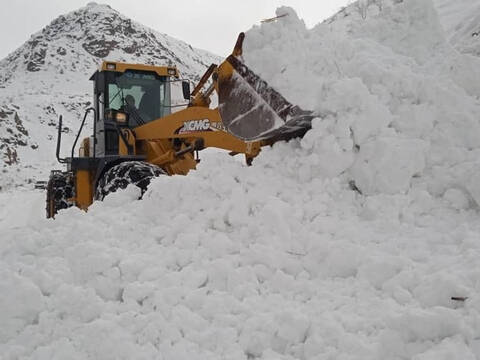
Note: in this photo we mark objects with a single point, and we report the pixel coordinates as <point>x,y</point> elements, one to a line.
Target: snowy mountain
<point>359,241</point>
<point>48,76</point>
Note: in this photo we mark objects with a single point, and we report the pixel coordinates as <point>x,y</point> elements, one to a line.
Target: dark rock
<point>100,48</point>
<point>19,125</point>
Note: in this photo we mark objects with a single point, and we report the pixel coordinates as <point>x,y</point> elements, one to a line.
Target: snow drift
<point>398,104</point>
<point>281,260</point>
<point>238,266</point>
<point>460,21</point>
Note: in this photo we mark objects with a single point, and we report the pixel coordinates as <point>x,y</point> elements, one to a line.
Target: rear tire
<point>59,192</point>
<point>138,173</point>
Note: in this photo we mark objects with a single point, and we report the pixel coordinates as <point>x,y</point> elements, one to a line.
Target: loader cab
<point>128,95</point>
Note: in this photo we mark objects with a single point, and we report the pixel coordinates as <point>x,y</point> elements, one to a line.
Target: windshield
<point>144,95</point>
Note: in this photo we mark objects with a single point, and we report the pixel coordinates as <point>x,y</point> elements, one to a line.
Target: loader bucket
<point>253,110</point>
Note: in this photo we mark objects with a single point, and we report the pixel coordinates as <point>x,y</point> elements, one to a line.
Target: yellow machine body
<point>170,141</point>
<point>165,141</point>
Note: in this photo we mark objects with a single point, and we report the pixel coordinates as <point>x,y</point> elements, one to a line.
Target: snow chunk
<point>387,165</point>
<point>21,303</point>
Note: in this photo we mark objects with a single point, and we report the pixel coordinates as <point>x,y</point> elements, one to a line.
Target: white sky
<point>207,24</point>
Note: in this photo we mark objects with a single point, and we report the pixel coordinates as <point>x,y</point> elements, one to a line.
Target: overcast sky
<point>207,24</point>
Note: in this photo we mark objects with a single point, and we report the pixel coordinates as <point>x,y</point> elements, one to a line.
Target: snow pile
<point>398,105</point>
<point>246,263</point>
<point>280,260</point>
<point>460,20</point>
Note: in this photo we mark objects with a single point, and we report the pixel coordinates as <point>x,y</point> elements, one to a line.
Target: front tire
<point>138,173</point>
<point>59,192</point>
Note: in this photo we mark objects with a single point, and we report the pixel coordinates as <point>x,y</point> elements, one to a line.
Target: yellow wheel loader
<point>137,137</point>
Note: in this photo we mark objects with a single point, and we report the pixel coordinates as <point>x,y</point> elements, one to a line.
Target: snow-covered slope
<point>461,20</point>
<point>398,105</point>
<point>261,262</point>
<point>48,76</point>
<point>283,259</point>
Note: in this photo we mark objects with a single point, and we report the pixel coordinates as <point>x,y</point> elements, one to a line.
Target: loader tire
<point>59,192</point>
<point>138,173</point>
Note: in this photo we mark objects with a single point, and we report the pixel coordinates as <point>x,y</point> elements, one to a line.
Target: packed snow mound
<point>398,106</point>
<point>249,262</point>
<point>282,259</point>
<point>461,22</point>
<point>49,75</point>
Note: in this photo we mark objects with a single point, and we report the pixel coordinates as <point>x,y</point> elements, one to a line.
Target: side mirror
<point>186,90</point>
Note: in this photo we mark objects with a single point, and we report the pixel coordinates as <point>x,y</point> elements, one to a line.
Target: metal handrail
<point>59,139</point>
<point>81,128</point>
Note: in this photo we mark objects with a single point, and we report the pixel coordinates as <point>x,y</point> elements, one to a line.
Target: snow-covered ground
<point>281,260</point>
<point>263,262</point>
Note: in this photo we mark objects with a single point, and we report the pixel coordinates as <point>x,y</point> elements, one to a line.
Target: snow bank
<point>398,105</point>
<point>265,262</point>
<point>460,20</point>
<point>280,260</point>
